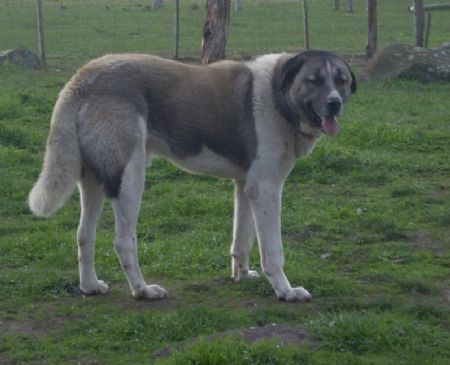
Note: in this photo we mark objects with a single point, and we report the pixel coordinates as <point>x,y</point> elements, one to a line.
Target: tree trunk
<point>372,28</point>
<point>419,23</point>
<point>215,30</point>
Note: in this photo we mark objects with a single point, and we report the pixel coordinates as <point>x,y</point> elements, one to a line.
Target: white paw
<point>248,274</point>
<point>299,294</point>
<point>96,287</point>
<point>151,292</point>
<point>251,274</point>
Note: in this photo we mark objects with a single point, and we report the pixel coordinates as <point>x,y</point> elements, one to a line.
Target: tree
<point>372,28</point>
<point>215,30</point>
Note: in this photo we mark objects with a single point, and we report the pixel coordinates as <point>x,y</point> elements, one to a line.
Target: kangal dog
<point>246,121</point>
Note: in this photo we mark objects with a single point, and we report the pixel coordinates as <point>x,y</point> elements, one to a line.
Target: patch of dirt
<point>283,335</point>
<point>423,241</point>
<point>305,234</point>
<point>447,295</point>
<point>440,191</point>
<point>5,361</point>
<point>39,323</point>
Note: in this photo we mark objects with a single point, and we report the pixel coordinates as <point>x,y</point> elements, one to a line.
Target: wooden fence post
<point>372,28</point>
<point>177,29</point>
<point>305,24</point>
<point>419,14</point>
<point>350,6</point>
<point>336,5</point>
<point>238,5</point>
<point>40,29</point>
<point>427,32</point>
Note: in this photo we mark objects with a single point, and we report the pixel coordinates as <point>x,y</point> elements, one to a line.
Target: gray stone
<point>403,61</point>
<point>20,57</point>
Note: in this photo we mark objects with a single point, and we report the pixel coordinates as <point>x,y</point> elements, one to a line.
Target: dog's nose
<point>334,105</point>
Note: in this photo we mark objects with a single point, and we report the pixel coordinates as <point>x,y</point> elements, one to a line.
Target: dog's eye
<point>317,81</point>
<point>340,81</point>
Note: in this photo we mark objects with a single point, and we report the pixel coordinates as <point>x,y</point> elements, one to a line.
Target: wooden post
<point>432,7</point>
<point>427,33</point>
<point>350,6</point>
<point>40,28</point>
<point>305,24</point>
<point>238,6</point>
<point>336,5</point>
<point>419,27</point>
<point>157,4</point>
<point>215,30</point>
<point>177,29</point>
<point>372,28</point>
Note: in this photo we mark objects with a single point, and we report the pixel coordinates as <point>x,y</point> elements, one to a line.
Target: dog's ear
<point>290,69</point>
<point>353,86</point>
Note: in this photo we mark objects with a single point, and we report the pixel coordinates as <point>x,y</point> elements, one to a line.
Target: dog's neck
<point>304,143</point>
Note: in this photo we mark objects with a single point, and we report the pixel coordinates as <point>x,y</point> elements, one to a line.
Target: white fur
<point>62,163</point>
<point>276,155</point>
<point>126,210</point>
<point>206,162</point>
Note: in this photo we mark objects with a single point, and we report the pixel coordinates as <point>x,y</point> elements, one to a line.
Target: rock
<point>20,57</point>
<point>403,61</point>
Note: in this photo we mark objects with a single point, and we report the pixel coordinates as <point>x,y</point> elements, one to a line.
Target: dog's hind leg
<point>126,209</point>
<point>243,235</point>
<point>91,196</point>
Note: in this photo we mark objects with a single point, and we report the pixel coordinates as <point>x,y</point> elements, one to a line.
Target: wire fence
<point>77,30</point>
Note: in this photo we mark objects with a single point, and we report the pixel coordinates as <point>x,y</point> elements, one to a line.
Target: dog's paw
<point>151,292</point>
<point>250,274</point>
<point>299,294</point>
<point>96,287</point>
<point>246,275</point>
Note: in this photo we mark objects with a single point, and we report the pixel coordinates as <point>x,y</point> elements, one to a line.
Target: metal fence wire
<point>77,30</point>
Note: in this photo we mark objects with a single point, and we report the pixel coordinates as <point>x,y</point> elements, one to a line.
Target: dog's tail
<point>62,163</point>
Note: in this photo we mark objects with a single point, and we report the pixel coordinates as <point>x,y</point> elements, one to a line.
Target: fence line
<point>76,30</point>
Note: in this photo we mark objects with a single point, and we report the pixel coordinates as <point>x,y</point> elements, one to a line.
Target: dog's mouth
<point>328,124</point>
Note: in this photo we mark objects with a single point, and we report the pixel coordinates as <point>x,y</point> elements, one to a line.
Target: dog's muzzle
<point>334,106</point>
<point>328,122</point>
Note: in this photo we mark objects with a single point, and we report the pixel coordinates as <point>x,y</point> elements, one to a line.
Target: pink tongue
<point>330,126</point>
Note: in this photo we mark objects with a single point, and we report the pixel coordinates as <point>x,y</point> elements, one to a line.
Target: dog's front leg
<point>265,202</point>
<point>243,235</point>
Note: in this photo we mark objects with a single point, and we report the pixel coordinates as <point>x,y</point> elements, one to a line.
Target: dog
<point>246,121</point>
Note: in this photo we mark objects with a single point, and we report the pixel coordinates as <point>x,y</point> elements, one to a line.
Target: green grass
<point>77,30</point>
<point>366,222</point>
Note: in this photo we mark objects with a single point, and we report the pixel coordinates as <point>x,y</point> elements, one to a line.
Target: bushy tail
<point>62,163</point>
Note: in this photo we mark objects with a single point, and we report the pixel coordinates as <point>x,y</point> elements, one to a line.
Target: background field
<point>366,218</point>
<point>77,30</point>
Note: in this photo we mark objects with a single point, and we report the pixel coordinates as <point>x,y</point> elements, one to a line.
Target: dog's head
<point>310,90</point>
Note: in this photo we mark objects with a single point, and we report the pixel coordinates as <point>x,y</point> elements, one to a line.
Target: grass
<point>366,227</point>
<point>77,30</point>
